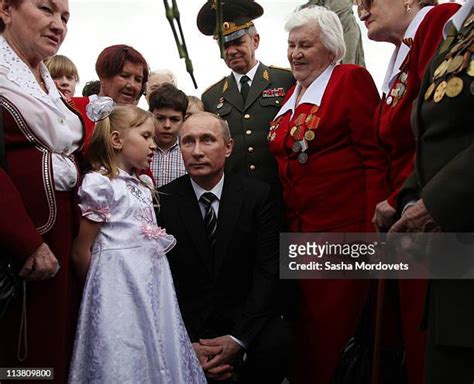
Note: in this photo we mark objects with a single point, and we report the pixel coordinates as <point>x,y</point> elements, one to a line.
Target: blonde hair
<point>194,100</point>
<point>101,152</point>
<point>60,65</point>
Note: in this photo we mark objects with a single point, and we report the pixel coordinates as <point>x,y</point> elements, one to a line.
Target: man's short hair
<point>224,125</point>
<point>168,96</point>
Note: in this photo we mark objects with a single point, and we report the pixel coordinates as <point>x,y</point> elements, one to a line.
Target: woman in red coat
<point>42,137</point>
<point>123,74</point>
<point>415,28</point>
<point>332,175</point>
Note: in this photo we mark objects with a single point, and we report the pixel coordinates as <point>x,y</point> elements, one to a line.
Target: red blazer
<point>28,198</point>
<point>338,186</point>
<point>392,122</point>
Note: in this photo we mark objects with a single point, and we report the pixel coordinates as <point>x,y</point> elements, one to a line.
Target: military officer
<point>251,95</point>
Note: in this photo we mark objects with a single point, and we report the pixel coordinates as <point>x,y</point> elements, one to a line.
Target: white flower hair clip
<point>99,108</point>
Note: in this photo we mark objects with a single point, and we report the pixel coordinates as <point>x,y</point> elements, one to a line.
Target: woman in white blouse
<point>42,135</point>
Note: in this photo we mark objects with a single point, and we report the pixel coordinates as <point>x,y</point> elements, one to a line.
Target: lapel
<point>192,218</point>
<point>260,82</point>
<point>229,210</point>
<point>231,93</point>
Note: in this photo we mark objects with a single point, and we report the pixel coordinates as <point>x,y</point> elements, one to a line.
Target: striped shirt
<point>167,165</point>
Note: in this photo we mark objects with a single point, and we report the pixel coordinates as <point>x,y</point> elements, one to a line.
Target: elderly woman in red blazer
<point>42,137</point>
<point>331,171</point>
<point>415,28</point>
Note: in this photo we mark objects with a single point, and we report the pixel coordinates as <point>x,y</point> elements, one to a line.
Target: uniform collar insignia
<point>265,75</point>
<point>226,86</point>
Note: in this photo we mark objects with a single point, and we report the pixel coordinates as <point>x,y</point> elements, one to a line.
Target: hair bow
<point>99,108</point>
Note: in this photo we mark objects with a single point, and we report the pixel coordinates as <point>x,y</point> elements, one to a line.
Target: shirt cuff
<point>408,205</point>
<point>238,342</point>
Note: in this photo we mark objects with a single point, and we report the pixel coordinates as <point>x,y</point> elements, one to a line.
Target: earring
<point>407,7</point>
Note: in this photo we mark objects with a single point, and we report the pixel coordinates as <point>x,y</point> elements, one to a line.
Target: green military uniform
<point>444,179</point>
<point>249,123</point>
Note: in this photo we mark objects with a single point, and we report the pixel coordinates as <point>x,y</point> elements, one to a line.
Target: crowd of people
<point>145,244</point>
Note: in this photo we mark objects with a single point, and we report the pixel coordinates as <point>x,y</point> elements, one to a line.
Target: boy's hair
<point>60,65</point>
<point>91,88</point>
<point>101,153</point>
<point>168,96</point>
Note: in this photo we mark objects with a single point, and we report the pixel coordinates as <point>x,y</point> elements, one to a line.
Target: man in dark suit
<point>440,194</point>
<point>250,97</point>
<point>225,263</point>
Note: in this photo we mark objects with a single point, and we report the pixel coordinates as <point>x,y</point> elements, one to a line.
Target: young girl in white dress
<point>130,328</point>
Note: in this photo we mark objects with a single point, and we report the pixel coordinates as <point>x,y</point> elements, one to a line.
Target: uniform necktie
<point>244,87</point>
<point>210,218</point>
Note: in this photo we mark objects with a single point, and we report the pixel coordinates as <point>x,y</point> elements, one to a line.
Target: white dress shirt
<point>400,53</point>
<point>250,74</point>
<point>50,120</point>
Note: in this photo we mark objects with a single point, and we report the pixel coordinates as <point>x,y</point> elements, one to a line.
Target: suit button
<point>248,132</point>
<point>250,149</point>
<point>246,116</point>
<point>252,167</point>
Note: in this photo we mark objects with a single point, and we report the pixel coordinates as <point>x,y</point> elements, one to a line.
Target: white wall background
<point>96,24</point>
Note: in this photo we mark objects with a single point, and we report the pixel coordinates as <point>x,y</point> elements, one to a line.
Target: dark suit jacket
<point>232,292</point>
<point>249,123</point>
<point>444,179</point>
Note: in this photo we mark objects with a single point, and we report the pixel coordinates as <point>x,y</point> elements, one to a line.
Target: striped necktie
<point>210,218</point>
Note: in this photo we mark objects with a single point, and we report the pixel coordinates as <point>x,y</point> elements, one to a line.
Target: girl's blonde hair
<point>101,152</point>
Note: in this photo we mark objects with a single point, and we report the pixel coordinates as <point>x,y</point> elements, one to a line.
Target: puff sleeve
<point>96,196</point>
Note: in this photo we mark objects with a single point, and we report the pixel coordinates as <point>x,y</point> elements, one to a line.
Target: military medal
<point>403,77</point>
<point>303,157</point>
<point>220,103</point>
<point>389,100</point>
<point>296,146</point>
<point>454,86</point>
<point>439,92</point>
<point>292,130</point>
<point>309,135</point>
<point>429,91</point>
<point>441,69</point>
<point>470,68</point>
<point>469,21</point>
<point>455,63</point>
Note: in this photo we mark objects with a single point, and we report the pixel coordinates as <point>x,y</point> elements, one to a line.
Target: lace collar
<point>20,74</point>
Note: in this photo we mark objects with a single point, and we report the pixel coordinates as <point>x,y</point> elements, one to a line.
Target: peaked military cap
<point>237,16</point>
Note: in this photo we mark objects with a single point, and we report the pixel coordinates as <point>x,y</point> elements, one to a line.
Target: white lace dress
<point>130,328</point>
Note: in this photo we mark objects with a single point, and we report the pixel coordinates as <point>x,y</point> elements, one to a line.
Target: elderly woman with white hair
<point>331,171</point>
